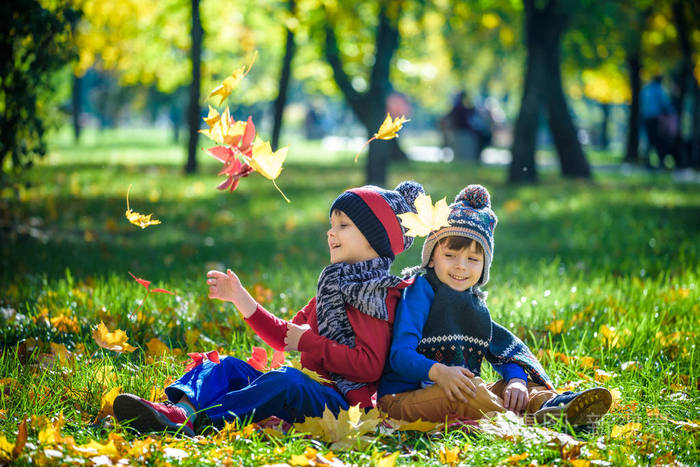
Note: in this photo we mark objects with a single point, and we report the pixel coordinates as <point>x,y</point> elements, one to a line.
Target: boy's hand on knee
<point>515,396</point>
<point>294,333</point>
<point>455,381</point>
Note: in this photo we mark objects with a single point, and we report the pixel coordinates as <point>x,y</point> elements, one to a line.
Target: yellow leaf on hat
<point>428,218</point>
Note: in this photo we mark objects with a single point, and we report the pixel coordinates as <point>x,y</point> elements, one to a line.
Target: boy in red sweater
<point>343,333</point>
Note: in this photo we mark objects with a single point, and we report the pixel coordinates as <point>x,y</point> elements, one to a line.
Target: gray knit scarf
<point>363,285</point>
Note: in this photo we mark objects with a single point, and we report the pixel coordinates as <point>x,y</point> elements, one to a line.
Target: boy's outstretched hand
<point>515,396</point>
<point>454,381</point>
<point>227,287</point>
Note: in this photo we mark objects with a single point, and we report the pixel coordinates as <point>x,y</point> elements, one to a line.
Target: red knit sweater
<point>363,363</point>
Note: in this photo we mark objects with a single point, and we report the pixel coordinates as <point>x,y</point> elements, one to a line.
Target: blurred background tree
<point>563,74</point>
<point>35,44</point>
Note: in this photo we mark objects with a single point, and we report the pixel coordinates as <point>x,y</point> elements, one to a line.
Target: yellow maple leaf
<point>156,347</point>
<point>418,425</point>
<point>268,163</point>
<point>136,218</point>
<point>107,403</point>
<point>344,430</point>
<point>625,431</point>
<point>386,461</point>
<point>227,86</point>
<point>93,448</point>
<point>222,128</point>
<point>389,129</point>
<point>115,340</point>
<point>515,458</point>
<point>5,449</point>
<point>449,456</point>
<point>556,326</point>
<point>428,218</point>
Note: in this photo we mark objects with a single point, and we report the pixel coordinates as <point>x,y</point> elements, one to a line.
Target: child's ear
<point>430,263</point>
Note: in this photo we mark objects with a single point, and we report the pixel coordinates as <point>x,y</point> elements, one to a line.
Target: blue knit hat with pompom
<point>470,216</point>
<point>374,211</point>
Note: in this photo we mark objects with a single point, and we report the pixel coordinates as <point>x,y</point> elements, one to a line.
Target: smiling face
<point>345,241</point>
<point>460,268</point>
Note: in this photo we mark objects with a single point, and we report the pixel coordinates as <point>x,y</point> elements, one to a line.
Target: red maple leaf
<point>198,358</point>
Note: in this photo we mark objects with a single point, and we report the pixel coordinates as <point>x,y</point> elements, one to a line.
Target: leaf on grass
<point>227,86</point>
<point>380,460</point>
<point>94,448</point>
<point>156,348</point>
<point>136,218</point>
<point>625,431</point>
<point>107,403</point>
<point>556,326</point>
<point>515,458</point>
<point>449,456</point>
<point>115,340</point>
<point>21,439</point>
<point>428,218</point>
<point>343,431</point>
<point>510,427</point>
<point>6,448</point>
<point>418,425</point>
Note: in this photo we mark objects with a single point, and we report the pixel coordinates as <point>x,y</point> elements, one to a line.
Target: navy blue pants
<point>233,390</point>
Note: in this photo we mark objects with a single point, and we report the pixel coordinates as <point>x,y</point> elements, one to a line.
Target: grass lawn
<point>601,280</point>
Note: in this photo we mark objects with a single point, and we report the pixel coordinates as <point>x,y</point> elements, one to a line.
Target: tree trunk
<point>285,74</point>
<point>522,166</point>
<point>634,70</point>
<point>369,107</point>
<point>193,110</point>
<point>75,104</point>
<point>686,73</point>
<point>604,124</point>
<point>571,156</point>
<point>544,27</point>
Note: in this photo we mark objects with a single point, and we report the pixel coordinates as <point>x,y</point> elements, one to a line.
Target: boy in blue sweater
<point>443,331</point>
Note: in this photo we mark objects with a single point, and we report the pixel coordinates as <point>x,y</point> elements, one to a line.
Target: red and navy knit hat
<point>374,211</point>
<point>470,216</point>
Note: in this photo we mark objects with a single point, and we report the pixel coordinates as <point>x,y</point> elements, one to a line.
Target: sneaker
<point>148,417</point>
<point>576,408</point>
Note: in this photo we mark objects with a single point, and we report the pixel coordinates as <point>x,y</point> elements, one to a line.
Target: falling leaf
<point>135,218</point>
<point>115,341</point>
<point>227,86</point>
<point>268,163</point>
<point>428,218</point>
<point>388,130</point>
<point>147,285</point>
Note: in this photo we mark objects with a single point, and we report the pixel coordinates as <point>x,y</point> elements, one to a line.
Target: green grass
<point>616,256</point>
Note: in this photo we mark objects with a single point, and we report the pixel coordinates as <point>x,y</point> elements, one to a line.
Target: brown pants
<point>431,403</point>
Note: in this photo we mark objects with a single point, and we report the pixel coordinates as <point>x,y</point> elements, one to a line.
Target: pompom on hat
<point>374,211</point>
<point>470,216</point>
